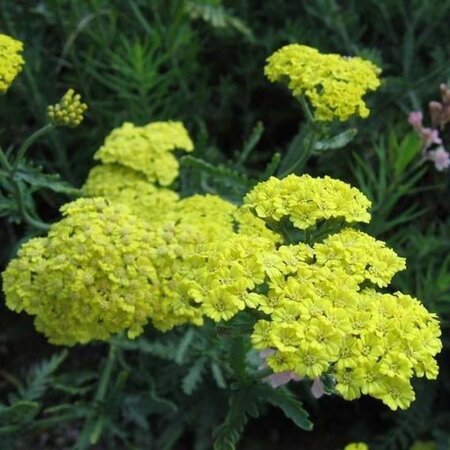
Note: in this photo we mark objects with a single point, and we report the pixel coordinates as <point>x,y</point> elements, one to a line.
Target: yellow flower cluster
<point>334,84</point>
<point>323,321</point>
<point>121,184</point>
<point>69,111</point>
<point>357,446</point>
<point>306,200</point>
<point>359,255</point>
<point>91,277</point>
<point>104,269</point>
<point>147,149</point>
<point>11,61</point>
<point>418,445</point>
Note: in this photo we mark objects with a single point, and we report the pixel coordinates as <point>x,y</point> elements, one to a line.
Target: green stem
<point>28,218</point>
<point>310,139</point>
<point>41,424</point>
<point>29,141</point>
<point>93,425</point>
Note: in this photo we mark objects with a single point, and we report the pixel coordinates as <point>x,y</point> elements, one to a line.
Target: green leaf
<point>18,413</point>
<point>37,179</point>
<point>292,407</point>
<point>193,377</point>
<point>218,375</point>
<point>41,376</point>
<point>243,403</point>
<point>335,142</point>
<point>238,353</point>
<point>7,206</point>
<point>184,345</point>
<point>406,152</point>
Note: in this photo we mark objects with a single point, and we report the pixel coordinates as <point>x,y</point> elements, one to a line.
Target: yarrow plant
<point>322,314</point>
<point>286,269</point>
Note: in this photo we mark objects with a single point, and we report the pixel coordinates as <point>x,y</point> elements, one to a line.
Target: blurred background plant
<point>202,62</point>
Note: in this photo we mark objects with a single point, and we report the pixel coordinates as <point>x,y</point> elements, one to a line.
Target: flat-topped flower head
<point>11,61</point>
<point>147,149</point>
<point>91,277</point>
<point>306,200</point>
<point>334,84</point>
<point>69,111</point>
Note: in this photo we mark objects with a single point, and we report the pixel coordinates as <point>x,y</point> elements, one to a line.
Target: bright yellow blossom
<point>147,149</point>
<point>334,84</point>
<point>11,61</point>
<point>89,278</point>
<point>306,200</point>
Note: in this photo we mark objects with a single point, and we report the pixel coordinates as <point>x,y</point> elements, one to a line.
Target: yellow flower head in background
<point>11,61</point>
<point>147,149</point>
<point>357,446</point>
<point>69,111</point>
<point>334,84</point>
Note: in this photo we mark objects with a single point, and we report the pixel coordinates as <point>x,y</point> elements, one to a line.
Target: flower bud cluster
<point>69,111</point>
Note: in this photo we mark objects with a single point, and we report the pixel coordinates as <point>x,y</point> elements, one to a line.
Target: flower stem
<point>29,141</point>
<point>92,428</point>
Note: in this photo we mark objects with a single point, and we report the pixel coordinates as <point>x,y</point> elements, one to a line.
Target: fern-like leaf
<point>40,377</point>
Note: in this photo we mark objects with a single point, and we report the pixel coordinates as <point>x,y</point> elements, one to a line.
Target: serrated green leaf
<point>184,345</point>
<point>218,375</point>
<point>41,376</point>
<point>335,142</point>
<point>243,403</point>
<point>292,407</point>
<point>193,377</point>
<point>18,413</point>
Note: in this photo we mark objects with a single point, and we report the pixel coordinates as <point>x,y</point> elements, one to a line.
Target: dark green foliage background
<point>202,62</point>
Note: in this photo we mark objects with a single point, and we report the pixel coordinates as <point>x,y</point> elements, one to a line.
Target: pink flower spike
<point>440,157</point>
<point>317,389</point>
<point>415,119</point>
<point>430,136</point>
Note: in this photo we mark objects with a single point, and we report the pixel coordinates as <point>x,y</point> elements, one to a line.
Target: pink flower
<point>440,157</point>
<point>280,378</point>
<point>415,119</point>
<point>429,136</point>
<point>317,389</point>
